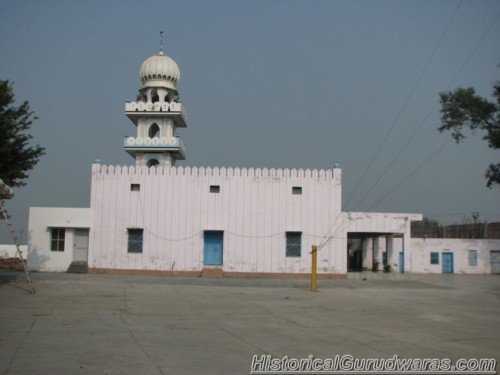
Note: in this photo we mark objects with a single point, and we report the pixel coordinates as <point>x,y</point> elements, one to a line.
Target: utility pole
<point>314,266</point>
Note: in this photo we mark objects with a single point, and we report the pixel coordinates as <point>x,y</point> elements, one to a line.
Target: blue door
<point>447,260</point>
<point>212,249</point>
<point>401,262</point>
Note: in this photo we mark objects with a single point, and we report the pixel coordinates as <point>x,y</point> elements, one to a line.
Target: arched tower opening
<point>154,96</point>
<point>152,163</point>
<point>154,131</point>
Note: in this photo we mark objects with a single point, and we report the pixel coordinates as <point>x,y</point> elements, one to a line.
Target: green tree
<point>17,156</point>
<point>463,108</point>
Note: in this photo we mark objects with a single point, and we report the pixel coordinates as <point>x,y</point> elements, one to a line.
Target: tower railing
<point>154,143</point>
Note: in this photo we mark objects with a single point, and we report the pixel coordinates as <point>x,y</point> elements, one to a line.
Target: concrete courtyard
<point>148,325</point>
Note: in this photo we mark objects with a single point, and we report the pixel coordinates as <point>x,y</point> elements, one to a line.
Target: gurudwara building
<point>154,216</point>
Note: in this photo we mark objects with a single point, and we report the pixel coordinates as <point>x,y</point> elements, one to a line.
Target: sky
<point>289,84</point>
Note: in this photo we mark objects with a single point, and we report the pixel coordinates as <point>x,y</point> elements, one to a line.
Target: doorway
<point>81,245</point>
<point>447,258</point>
<point>495,261</point>
<point>212,248</point>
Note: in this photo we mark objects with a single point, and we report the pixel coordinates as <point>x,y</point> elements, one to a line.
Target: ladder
<point>16,242</point>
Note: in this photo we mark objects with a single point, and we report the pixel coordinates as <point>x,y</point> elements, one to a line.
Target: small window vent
<point>135,187</point>
<point>215,189</point>
<point>297,190</point>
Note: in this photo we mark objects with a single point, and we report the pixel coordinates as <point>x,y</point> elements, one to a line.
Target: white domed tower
<point>157,113</point>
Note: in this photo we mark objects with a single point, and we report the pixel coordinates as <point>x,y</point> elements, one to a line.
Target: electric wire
<point>430,112</point>
<point>398,116</point>
<point>401,182</point>
<point>199,232</point>
<point>405,145</point>
<point>433,53</point>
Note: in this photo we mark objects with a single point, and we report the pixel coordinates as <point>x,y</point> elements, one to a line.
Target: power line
<point>265,236</point>
<point>443,145</point>
<point>436,47</point>
<point>425,119</point>
<point>405,103</point>
<point>435,153</point>
<point>405,145</point>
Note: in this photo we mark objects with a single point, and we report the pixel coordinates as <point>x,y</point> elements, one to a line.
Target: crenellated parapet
<point>98,169</point>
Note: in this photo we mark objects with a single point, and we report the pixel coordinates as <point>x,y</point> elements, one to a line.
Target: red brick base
<point>212,272</point>
<point>114,271</point>
<point>285,275</point>
<point>218,272</point>
<point>11,264</point>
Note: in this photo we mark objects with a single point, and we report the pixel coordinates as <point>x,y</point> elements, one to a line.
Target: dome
<point>160,71</point>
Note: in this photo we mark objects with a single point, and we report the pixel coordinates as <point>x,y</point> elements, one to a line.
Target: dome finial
<point>161,43</point>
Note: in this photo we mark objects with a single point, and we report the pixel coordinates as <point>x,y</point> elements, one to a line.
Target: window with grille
<point>293,244</point>
<point>134,243</point>
<point>57,239</point>
<point>297,190</point>
<point>473,258</point>
<point>215,189</point>
<point>434,258</point>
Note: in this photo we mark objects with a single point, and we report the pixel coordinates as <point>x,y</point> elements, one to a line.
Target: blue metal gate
<point>401,262</point>
<point>212,249</point>
<point>447,260</point>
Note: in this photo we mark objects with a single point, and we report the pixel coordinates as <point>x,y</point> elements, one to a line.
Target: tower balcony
<point>177,111</point>
<point>173,145</point>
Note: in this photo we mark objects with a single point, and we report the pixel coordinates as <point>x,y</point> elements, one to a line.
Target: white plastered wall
<point>254,209</point>
<point>10,251</point>
<point>422,248</point>
<point>41,220</point>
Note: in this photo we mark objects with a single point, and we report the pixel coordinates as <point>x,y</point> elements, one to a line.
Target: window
<point>135,187</point>
<point>57,239</point>
<point>215,189</point>
<point>434,258</point>
<point>134,240</point>
<point>473,258</point>
<point>293,244</point>
<point>152,163</point>
<point>154,131</point>
<point>297,190</point>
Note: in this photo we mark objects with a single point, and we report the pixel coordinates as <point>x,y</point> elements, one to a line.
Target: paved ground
<point>149,325</point>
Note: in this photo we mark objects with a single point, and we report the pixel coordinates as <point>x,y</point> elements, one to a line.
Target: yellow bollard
<point>314,262</point>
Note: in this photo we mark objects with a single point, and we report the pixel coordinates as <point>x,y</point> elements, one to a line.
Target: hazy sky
<point>266,84</point>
